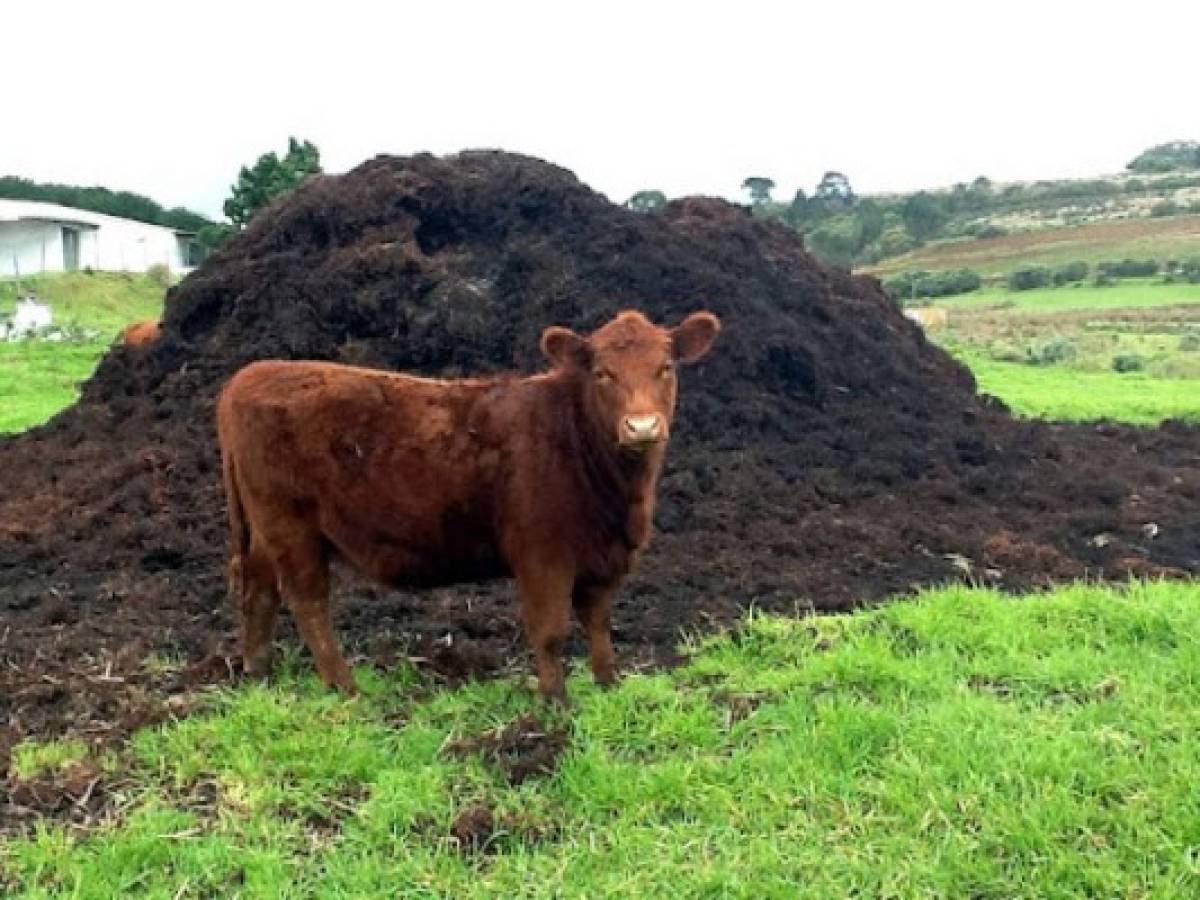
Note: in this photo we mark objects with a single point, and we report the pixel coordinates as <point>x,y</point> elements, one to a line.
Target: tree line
<point>257,185</point>
<point>845,229</point>
<point>125,204</point>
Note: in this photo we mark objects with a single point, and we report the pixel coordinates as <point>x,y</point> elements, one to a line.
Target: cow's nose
<point>643,429</point>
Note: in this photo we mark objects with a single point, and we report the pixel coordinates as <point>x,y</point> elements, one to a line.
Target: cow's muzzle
<point>643,430</point>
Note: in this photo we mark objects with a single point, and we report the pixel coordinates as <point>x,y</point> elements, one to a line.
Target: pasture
<point>1141,238</point>
<point>38,378</point>
<point>958,743</point>
<point>1055,353</point>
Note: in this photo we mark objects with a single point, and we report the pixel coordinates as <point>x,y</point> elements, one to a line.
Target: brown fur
<point>139,334</point>
<point>419,482</point>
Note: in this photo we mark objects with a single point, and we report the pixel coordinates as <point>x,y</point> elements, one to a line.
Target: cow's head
<point>626,371</point>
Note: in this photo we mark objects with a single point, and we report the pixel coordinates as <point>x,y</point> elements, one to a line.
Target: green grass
<point>37,379</point>
<point>105,301</point>
<point>33,758</point>
<point>1113,239</point>
<point>958,744</point>
<point>1127,294</point>
<point>1064,393</point>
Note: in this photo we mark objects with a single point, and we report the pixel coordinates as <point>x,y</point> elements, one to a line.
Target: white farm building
<point>44,237</point>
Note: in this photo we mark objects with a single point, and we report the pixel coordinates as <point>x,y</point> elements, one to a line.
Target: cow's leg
<point>593,605</point>
<point>546,615</point>
<point>259,608</point>
<point>304,580</point>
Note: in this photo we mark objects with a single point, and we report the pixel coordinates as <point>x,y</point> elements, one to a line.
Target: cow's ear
<point>692,337</point>
<point>565,348</point>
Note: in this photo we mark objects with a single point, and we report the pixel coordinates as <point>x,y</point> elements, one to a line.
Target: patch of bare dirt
<point>522,749</point>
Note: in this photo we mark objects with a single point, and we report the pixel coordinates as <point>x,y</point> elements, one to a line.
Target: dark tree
<point>923,215</point>
<point>834,190</point>
<point>759,188</point>
<point>870,221</point>
<point>124,204</point>
<point>1168,157</point>
<point>269,178</point>
<point>647,201</point>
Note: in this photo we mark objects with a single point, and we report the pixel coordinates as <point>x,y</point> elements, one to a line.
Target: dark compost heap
<point>825,454</point>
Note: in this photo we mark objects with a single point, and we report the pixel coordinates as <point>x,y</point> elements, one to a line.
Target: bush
<point>894,241</point>
<point>160,275</point>
<point>1028,278</point>
<point>1164,208</point>
<point>922,284</point>
<point>981,230</point>
<point>1070,273</point>
<point>1128,362</point>
<point>1190,270</point>
<point>1129,268</point>
<point>1048,353</point>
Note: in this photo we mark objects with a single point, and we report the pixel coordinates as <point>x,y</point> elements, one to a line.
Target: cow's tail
<point>239,532</point>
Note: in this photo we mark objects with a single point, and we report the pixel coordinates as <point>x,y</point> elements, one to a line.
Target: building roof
<point>36,211</point>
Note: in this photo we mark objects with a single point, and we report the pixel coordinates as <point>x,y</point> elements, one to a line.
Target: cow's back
<point>392,471</point>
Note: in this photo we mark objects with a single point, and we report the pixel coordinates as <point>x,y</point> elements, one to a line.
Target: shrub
<point>1190,270</point>
<point>1004,352</point>
<point>1128,362</point>
<point>160,275</point>
<point>1028,278</point>
<point>1048,353</point>
<point>1129,268</point>
<point>981,230</point>
<point>1070,273</point>
<point>1190,341</point>
<point>1164,208</point>
<point>921,284</point>
<point>894,241</point>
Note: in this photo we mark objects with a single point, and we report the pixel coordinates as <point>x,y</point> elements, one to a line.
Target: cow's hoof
<point>257,668</point>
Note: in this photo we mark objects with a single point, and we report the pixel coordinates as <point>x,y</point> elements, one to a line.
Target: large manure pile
<point>825,455</point>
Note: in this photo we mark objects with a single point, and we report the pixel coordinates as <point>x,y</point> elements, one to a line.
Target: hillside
<point>39,378</point>
<point>104,301</point>
<point>844,228</point>
<point>1140,238</point>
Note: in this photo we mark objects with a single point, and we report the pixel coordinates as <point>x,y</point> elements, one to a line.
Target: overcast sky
<point>169,100</point>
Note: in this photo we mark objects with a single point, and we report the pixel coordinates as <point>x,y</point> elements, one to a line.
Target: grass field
<point>994,330</point>
<point>104,301</point>
<point>39,378</point>
<point>958,744</point>
<point>1133,293</point>
<point>1067,394</point>
<point>1161,239</point>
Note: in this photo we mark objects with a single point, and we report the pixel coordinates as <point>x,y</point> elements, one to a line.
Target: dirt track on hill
<point>826,454</point>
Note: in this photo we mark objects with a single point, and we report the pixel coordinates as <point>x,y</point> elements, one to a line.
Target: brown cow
<point>419,482</point>
<point>141,333</point>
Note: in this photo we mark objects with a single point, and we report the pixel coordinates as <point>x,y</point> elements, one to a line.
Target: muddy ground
<point>826,455</point>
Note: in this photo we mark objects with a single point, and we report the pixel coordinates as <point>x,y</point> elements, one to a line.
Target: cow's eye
<point>602,375</point>
<point>666,370</point>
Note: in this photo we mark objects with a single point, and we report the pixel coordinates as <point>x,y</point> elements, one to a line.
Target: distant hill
<point>125,204</point>
<point>865,231</point>
<point>1161,239</point>
<point>1174,156</point>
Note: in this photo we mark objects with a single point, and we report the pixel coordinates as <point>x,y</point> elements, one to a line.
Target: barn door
<point>70,249</point>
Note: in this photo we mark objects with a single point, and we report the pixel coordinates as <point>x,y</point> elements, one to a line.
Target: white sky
<point>170,99</point>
